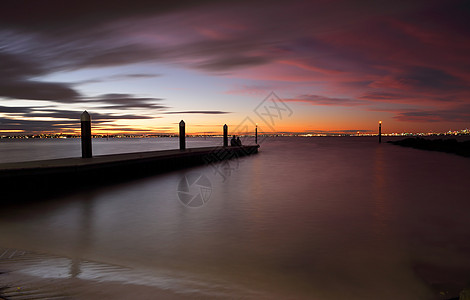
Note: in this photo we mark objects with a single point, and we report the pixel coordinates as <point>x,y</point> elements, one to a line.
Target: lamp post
<point>256,134</point>
<point>380,131</point>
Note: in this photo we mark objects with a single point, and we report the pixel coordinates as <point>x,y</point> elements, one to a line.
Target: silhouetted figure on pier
<point>239,143</point>
<point>233,141</point>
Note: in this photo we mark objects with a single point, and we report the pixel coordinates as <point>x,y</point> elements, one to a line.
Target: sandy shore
<point>26,275</point>
<point>15,285</point>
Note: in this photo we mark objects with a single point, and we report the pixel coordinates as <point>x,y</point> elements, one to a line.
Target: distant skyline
<point>142,66</point>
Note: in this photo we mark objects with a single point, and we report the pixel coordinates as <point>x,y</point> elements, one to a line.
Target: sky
<point>320,66</point>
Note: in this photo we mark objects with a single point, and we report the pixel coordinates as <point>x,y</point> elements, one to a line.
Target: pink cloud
<point>323,100</point>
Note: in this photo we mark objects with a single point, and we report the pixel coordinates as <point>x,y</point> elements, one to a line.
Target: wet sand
<point>15,285</point>
<point>27,275</point>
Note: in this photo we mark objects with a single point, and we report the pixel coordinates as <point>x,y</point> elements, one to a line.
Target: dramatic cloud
<point>15,82</point>
<point>35,90</point>
<point>32,119</point>
<point>32,126</point>
<point>126,101</point>
<point>206,112</point>
<point>118,77</point>
<point>14,110</point>
<point>322,100</point>
<point>336,53</point>
<point>456,114</point>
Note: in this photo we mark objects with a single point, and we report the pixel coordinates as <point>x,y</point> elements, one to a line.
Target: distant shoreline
<point>447,145</point>
<point>138,136</point>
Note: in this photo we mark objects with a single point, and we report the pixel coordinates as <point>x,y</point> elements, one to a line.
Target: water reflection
<point>380,206</point>
<point>305,218</point>
<point>85,234</point>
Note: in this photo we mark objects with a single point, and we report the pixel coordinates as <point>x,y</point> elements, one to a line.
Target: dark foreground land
<point>448,145</point>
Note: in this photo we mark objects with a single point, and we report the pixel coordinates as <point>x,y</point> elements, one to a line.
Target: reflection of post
<point>380,131</point>
<point>182,135</point>
<point>86,134</point>
<point>85,231</point>
<point>225,135</point>
<point>256,134</point>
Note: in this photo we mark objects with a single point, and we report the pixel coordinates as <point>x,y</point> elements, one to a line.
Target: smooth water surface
<point>15,150</point>
<point>306,218</point>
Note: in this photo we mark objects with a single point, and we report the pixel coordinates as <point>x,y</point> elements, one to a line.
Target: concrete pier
<point>47,176</point>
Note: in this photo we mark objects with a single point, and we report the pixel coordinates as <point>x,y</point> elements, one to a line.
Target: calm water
<point>306,218</point>
<point>37,149</point>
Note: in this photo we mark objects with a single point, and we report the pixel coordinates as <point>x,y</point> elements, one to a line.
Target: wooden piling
<point>182,135</point>
<point>225,135</point>
<point>86,135</point>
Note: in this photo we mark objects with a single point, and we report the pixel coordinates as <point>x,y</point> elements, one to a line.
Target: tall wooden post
<point>380,131</point>
<point>182,135</point>
<point>225,135</point>
<point>86,134</point>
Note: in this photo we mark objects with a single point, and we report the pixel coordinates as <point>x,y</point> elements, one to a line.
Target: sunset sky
<point>142,66</point>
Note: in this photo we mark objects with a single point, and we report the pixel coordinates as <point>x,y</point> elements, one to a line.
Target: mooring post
<point>225,135</point>
<point>380,131</point>
<point>256,134</point>
<point>182,135</point>
<point>86,134</point>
